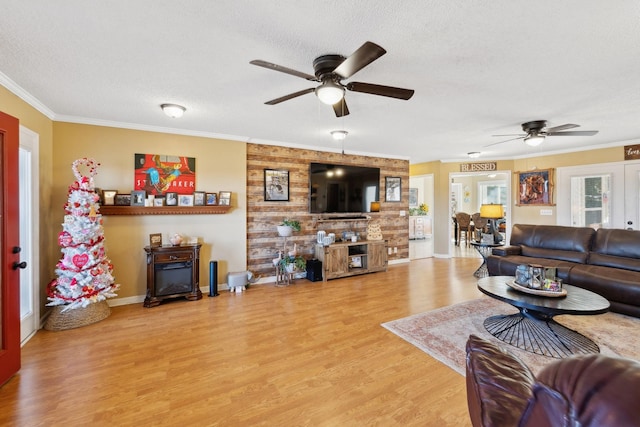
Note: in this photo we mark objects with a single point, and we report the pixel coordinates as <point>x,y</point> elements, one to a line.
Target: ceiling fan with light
<point>536,131</point>
<point>330,70</point>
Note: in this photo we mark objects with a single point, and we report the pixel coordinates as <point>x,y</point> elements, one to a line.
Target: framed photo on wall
<point>535,188</point>
<point>276,185</point>
<point>413,197</point>
<point>198,198</point>
<point>171,199</point>
<point>185,200</point>
<point>137,197</point>
<point>122,199</point>
<point>393,188</point>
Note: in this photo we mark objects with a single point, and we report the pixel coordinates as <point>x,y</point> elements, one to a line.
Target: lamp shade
<point>492,211</point>
<point>534,140</point>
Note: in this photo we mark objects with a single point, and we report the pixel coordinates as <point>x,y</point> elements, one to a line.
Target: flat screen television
<point>344,189</point>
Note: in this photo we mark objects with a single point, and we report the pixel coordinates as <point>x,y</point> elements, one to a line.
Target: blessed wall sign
<point>479,167</point>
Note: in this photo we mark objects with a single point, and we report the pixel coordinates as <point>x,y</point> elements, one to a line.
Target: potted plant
<point>290,263</point>
<point>286,228</point>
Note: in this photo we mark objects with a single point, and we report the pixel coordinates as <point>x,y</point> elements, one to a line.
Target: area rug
<point>443,333</point>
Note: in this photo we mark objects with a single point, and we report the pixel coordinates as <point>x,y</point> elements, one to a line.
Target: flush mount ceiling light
<point>473,154</point>
<point>173,110</point>
<point>329,92</point>
<point>534,140</point>
<point>339,135</point>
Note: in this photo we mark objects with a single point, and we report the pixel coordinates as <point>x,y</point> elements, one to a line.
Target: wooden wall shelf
<point>163,210</point>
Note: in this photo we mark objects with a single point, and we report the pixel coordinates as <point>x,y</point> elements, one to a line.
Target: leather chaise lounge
<point>604,261</point>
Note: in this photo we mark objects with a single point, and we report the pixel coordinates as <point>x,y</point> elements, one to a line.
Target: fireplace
<point>172,271</point>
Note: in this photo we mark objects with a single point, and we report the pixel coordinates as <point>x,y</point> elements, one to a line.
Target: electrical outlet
<point>395,249</point>
<point>389,251</point>
<point>403,213</point>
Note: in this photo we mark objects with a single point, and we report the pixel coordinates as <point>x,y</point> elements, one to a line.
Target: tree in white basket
<point>84,271</point>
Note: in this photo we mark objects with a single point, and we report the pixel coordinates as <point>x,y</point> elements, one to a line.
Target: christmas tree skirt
<point>78,317</point>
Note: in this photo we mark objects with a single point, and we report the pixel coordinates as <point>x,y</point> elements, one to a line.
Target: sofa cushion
<point>616,248</point>
<point>498,384</point>
<point>585,390</point>
<point>554,241</point>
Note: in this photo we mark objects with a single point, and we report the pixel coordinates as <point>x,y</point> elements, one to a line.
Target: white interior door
<point>29,233</point>
<point>632,196</point>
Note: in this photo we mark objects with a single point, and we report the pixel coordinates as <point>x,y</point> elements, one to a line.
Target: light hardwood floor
<point>310,354</point>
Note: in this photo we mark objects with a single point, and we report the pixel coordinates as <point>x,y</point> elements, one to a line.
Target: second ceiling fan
<point>330,70</point>
<point>536,131</point>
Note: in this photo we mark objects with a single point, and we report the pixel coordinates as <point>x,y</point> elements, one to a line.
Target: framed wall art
<point>138,197</point>
<point>224,198</point>
<point>276,185</point>
<point>535,188</point>
<point>185,200</point>
<point>155,240</point>
<point>122,199</point>
<point>198,198</point>
<point>108,197</point>
<point>393,188</point>
<point>211,199</point>
<point>171,199</point>
<point>413,197</point>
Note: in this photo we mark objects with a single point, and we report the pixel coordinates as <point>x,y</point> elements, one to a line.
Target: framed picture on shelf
<point>224,198</point>
<point>122,199</point>
<point>393,188</point>
<point>108,197</point>
<point>171,199</point>
<point>185,200</point>
<point>158,201</point>
<point>535,188</point>
<point>276,185</point>
<point>198,198</point>
<point>137,197</point>
<point>155,240</point>
<point>211,199</point>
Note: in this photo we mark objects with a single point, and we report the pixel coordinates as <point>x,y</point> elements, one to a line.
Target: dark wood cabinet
<point>172,271</point>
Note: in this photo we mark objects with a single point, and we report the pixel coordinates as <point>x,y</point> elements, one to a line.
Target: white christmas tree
<point>84,271</point>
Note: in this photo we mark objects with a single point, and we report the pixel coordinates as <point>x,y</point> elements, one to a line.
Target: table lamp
<point>492,212</point>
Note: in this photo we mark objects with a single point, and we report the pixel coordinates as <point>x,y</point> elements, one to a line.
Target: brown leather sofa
<point>606,261</point>
<point>585,390</point>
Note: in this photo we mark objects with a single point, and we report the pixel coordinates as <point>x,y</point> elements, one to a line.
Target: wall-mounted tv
<point>342,188</point>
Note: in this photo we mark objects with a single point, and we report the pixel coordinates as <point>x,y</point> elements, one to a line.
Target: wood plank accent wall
<point>263,216</point>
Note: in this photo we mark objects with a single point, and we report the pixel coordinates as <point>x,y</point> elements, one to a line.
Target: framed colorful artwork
<point>535,188</point>
<point>161,173</point>
<point>276,185</point>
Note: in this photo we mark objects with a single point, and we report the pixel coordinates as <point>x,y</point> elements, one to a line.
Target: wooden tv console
<point>345,259</point>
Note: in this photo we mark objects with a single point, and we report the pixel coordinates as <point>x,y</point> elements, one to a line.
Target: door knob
<point>17,265</point>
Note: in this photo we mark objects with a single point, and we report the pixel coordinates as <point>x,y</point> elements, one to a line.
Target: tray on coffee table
<point>540,292</point>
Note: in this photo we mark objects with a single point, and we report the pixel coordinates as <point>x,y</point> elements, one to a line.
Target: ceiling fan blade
<point>512,134</point>
<point>392,92</point>
<point>340,108</point>
<point>574,133</point>
<point>290,96</point>
<point>365,55</point>
<point>500,142</point>
<point>275,67</point>
<point>561,127</point>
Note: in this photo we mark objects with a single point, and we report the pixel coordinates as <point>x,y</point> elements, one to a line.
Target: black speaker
<point>314,270</point>
<point>213,279</point>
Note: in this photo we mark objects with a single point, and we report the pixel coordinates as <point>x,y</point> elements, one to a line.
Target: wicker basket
<point>76,318</point>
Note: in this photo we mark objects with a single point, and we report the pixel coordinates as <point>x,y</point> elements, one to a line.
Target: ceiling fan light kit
<point>173,110</point>
<point>330,93</point>
<point>536,131</point>
<point>339,135</point>
<point>534,140</point>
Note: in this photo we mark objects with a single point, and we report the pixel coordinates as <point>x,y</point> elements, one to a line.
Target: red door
<point>10,264</point>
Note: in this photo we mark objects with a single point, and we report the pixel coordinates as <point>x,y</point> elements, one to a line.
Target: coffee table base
<point>536,333</point>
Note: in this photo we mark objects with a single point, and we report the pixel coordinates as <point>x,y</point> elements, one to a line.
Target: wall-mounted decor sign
<point>276,185</point>
<point>535,187</point>
<point>478,167</point>
<point>159,174</point>
<point>632,152</point>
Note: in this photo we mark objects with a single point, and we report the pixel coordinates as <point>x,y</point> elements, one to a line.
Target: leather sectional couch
<point>604,261</point>
<point>591,390</point>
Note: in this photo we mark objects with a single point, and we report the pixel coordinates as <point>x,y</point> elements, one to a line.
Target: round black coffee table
<point>533,328</point>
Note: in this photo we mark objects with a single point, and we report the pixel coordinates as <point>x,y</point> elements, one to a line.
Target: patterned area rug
<point>443,333</point>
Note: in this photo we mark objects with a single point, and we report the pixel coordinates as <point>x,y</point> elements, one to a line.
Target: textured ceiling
<point>478,68</point>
